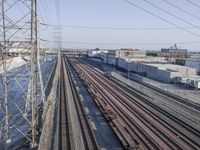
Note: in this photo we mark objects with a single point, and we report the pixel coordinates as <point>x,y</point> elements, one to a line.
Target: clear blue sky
<point>118,13</point>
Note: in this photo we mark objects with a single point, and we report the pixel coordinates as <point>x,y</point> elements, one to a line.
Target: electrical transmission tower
<point>18,37</point>
<point>57,39</point>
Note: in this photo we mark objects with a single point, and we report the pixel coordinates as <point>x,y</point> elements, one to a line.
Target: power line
<point>57,6</point>
<point>128,44</point>
<point>41,14</point>
<point>187,12</point>
<point>171,14</point>
<point>194,4</point>
<point>165,20</point>
<point>46,10</point>
<point>116,28</point>
<point>42,11</point>
<point>57,31</point>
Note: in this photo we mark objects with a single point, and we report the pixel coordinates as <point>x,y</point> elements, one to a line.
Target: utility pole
<point>5,83</point>
<point>57,39</point>
<point>18,113</point>
<point>34,74</point>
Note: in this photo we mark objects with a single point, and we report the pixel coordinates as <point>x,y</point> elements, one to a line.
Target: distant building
<point>93,53</point>
<point>193,63</point>
<point>127,53</point>
<point>162,72</point>
<point>195,55</point>
<point>175,52</point>
<point>112,56</point>
<point>180,61</point>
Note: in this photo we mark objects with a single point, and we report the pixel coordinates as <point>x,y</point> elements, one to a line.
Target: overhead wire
<point>41,15</point>
<point>44,11</point>
<point>171,14</point>
<point>58,27</point>
<point>165,20</point>
<point>175,26</point>
<point>183,10</point>
<point>127,44</point>
<point>194,4</point>
<point>57,6</point>
<point>46,14</point>
<point>117,28</point>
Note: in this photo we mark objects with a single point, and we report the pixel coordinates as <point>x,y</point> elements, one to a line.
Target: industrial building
<point>127,53</point>
<point>193,63</point>
<point>112,56</point>
<point>93,53</point>
<point>175,52</point>
<point>195,55</point>
<point>156,68</point>
<point>162,72</point>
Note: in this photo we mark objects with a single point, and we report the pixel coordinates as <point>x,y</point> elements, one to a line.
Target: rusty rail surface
<point>66,140</point>
<point>64,122</point>
<point>137,122</point>
<point>87,132</point>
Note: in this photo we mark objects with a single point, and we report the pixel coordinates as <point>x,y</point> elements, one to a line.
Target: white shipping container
<point>182,80</point>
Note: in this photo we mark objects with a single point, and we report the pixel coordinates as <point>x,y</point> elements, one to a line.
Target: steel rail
<point>64,122</point>
<point>145,114</point>
<point>87,132</point>
<point>129,127</point>
<point>67,140</point>
<point>151,134</point>
<point>192,136</point>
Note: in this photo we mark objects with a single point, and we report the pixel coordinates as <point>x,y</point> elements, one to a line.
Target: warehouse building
<point>112,56</point>
<point>127,53</point>
<point>174,53</point>
<point>168,72</point>
<point>195,55</point>
<point>162,72</point>
<point>193,63</point>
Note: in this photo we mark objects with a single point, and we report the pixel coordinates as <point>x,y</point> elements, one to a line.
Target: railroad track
<point>179,109</point>
<point>174,96</point>
<point>186,110</point>
<point>136,122</point>
<point>64,121</point>
<point>69,98</point>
